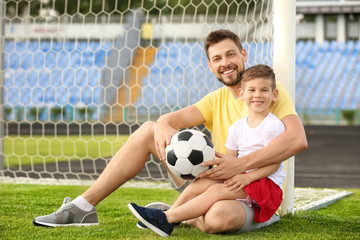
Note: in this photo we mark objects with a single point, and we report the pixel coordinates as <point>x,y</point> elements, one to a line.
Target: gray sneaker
<point>155,205</point>
<point>68,215</point>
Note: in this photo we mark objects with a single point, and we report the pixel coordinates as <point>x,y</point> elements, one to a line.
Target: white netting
<point>80,76</point>
<point>312,198</point>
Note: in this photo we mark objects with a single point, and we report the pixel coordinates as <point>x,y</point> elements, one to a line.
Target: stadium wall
<point>164,30</point>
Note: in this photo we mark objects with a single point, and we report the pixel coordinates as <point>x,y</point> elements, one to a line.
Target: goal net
<point>78,77</point>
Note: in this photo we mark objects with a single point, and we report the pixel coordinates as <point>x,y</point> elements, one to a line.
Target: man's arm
<point>289,143</point>
<point>168,124</point>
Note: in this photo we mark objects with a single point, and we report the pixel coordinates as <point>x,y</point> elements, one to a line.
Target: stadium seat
<point>67,73</point>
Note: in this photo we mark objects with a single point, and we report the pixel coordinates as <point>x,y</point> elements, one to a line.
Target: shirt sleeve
<point>205,105</point>
<point>283,105</point>
<point>230,141</point>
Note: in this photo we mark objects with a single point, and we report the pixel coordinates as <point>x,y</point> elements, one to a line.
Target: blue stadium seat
<point>64,73</point>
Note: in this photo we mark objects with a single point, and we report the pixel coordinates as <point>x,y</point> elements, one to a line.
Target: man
<point>218,110</point>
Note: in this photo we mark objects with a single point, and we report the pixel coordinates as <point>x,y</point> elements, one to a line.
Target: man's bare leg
<point>226,216</point>
<point>126,164</point>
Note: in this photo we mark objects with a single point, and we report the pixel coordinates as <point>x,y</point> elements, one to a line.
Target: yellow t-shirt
<point>220,109</point>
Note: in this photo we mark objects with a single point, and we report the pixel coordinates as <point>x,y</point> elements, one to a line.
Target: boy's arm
<point>239,181</point>
<point>263,172</point>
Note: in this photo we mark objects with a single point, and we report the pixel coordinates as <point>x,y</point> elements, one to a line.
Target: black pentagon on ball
<point>187,176</point>
<point>171,157</point>
<point>184,135</point>
<point>196,157</point>
<point>208,141</point>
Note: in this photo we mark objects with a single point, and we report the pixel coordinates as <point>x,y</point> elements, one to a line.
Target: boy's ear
<point>241,93</point>
<point>276,94</point>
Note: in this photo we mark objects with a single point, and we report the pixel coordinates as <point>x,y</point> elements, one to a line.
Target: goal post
<point>284,68</point>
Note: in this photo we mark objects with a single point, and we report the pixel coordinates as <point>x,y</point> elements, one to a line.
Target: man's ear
<point>244,53</point>
<point>209,65</point>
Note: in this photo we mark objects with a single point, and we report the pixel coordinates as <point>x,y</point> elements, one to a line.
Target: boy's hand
<point>237,182</point>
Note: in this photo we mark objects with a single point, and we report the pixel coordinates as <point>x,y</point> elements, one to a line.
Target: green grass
<point>39,149</point>
<point>19,204</point>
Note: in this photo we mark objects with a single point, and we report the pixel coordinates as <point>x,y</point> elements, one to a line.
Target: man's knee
<point>224,217</point>
<point>147,127</point>
<point>145,132</point>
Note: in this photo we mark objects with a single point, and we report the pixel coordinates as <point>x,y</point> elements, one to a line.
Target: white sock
<point>82,203</point>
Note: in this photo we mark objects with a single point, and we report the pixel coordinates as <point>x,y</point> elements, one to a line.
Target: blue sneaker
<point>155,219</point>
<point>156,205</point>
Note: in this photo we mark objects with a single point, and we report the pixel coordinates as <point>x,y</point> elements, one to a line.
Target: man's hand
<point>162,137</point>
<point>226,167</point>
<point>237,182</point>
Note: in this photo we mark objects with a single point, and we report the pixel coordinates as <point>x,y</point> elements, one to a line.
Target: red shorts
<point>268,197</point>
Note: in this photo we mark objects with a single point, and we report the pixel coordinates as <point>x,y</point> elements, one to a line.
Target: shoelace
<point>66,203</point>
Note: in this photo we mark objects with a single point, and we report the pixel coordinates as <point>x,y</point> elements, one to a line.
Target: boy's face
<point>226,61</point>
<point>258,95</point>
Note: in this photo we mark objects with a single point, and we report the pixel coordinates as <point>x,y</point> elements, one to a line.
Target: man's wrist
<point>245,163</point>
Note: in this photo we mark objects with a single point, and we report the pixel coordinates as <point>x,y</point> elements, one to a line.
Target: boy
<point>261,187</point>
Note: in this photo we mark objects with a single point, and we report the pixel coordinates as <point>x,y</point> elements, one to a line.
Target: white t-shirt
<point>245,140</point>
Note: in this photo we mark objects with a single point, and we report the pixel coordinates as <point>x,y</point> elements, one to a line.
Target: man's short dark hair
<point>218,36</point>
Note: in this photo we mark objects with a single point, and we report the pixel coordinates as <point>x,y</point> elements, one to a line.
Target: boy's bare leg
<point>193,190</point>
<point>125,164</point>
<point>201,204</point>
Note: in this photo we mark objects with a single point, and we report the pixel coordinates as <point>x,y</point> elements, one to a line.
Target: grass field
<point>19,204</point>
<point>26,150</point>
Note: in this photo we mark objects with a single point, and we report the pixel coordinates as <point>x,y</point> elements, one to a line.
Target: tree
<point>35,8</point>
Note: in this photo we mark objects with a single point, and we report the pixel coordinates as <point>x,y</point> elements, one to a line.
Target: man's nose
<point>224,62</point>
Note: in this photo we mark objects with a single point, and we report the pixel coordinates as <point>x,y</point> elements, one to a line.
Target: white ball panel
<point>183,166</point>
<point>198,169</point>
<point>182,149</point>
<point>196,132</point>
<point>208,153</point>
<point>197,142</point>
<point>173,142</point>
<point>174,170</point>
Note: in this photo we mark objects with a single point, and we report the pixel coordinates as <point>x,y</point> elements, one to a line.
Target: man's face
<point>226,61</point>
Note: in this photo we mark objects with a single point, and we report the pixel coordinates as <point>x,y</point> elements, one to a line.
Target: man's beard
<point>233,82</point>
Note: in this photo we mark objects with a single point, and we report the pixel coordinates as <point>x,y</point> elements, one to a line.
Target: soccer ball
<point>187,150</point>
